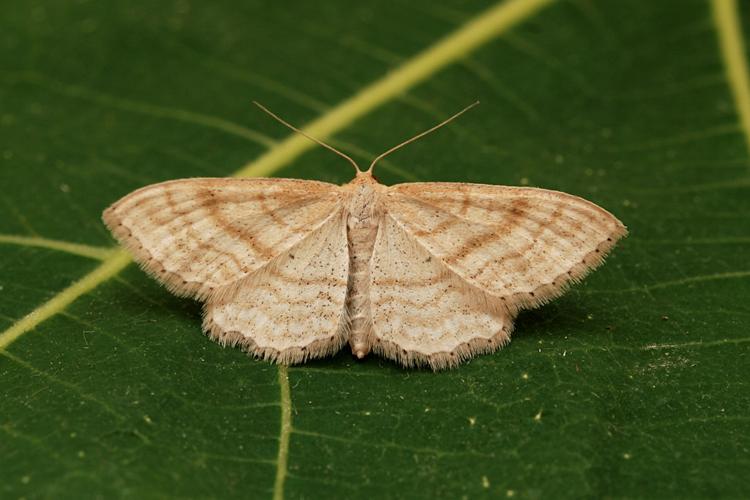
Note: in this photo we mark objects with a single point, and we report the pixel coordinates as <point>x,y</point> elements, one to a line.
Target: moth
<point>423,273</point>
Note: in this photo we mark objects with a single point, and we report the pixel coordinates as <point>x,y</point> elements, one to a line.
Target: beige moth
<point>423,273</point>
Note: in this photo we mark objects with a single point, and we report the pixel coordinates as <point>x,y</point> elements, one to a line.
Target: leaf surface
<point>634,384</point>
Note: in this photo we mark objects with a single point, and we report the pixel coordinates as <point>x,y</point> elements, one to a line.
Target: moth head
<point>364,177</point>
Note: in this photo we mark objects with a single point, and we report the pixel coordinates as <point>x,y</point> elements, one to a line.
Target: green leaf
<point>634,384</point>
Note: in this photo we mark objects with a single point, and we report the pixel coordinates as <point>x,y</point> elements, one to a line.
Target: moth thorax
<point>362,206</point>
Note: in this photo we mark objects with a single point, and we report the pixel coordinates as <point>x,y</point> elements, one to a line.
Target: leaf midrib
<point>735,64</point>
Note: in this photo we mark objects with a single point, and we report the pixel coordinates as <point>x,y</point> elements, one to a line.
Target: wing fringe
<point>444,360</point>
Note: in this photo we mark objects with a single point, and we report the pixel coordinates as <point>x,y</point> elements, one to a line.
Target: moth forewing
<point>199,235</point>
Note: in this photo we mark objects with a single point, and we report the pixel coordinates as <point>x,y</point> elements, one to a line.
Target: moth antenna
<point>331,148</point>
<point>419,136</point>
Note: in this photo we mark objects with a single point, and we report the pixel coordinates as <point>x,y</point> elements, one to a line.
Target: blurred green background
<point>634,384</point>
